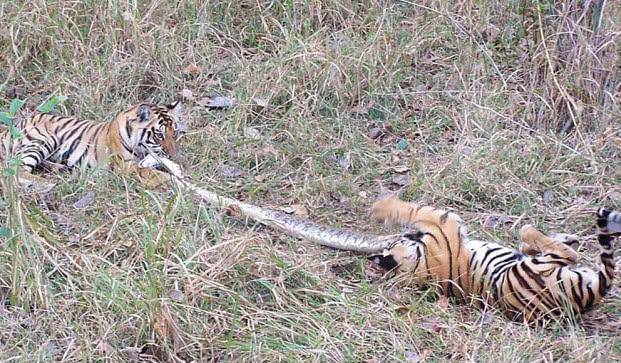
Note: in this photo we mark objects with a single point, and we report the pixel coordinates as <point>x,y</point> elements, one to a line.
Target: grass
<point>492,110</point>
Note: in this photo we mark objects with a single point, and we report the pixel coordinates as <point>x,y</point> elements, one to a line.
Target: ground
<point>508,114</point>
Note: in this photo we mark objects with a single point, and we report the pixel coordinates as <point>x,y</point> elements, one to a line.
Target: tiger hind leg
<point>30,155</point>
<point>535,242</point>
<point>35,148</point>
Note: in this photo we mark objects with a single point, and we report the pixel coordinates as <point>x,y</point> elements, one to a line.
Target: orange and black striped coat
<point>125,142</point>
<point>541,280</point>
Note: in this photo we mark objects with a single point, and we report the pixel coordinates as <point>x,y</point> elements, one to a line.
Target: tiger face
<point>404,255</point>
<point>152,129</point>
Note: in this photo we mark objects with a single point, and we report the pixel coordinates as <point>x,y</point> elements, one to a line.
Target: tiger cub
<point>137,140</point>
<point>539,281</point>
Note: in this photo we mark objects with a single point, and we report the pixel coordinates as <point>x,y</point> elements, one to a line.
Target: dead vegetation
<point>507,113</point>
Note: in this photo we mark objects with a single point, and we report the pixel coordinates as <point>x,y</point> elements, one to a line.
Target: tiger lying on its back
<point>540,281</point>
<point>137,140</point>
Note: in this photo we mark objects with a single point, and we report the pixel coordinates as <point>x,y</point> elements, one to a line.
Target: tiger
<point>537,283</point>
<point>138,140</point>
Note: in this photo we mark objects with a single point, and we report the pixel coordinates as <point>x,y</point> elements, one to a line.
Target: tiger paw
<point>384,208</point>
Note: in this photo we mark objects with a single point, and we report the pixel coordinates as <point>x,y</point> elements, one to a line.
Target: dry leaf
<point>344,161</point>
<point>401,180</point>
<point>132,352</point>
<point>269,150</point>
<point>412,357</point>
<point>401,168</point>
<point>296,209</point>
<point>259,178</point>
<point>373,272</point>
<point>176,295</point>
<point>193,69</point>
<point>487,318</point>
<point>288,210</point>
<point>85,201</point>
<point>375,132</point>
<point>161,327</point>
<point>229,171</point>
<point>105,348</point>
<point>394,294</point>
<point>361,108</point>
<point>166,328</point>
<point>186,95</point>
<point>15,92</point>
<point>216,102</point>
<point>431,325</point>
<point>403,309</point>
<point>443,302</point>
<point>233,211</point>
<point>448,135</point>
<point>490,34</point>
<point>203,101</point>
<point>39,186</point>
<point>261,102</point>
<point>300,210</point>
<point>252,133</point>
<point>495,219</point>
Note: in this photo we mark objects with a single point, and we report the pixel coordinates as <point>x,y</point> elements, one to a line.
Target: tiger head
<point>149,128</point>
<point>406,254</point>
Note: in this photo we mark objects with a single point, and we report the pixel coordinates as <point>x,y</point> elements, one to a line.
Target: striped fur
<point>540,281</point>
<point>123,143</point>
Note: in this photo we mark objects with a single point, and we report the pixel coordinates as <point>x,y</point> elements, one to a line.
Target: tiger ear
<point>144,113</point>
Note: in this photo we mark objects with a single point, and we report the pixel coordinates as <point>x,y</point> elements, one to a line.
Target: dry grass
<point>494,110</point>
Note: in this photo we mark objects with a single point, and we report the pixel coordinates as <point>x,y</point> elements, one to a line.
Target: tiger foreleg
<point>153,178</point>
<point>149,177</point>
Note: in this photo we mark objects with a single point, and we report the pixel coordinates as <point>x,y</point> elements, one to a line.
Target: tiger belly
<point>488,262</point>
